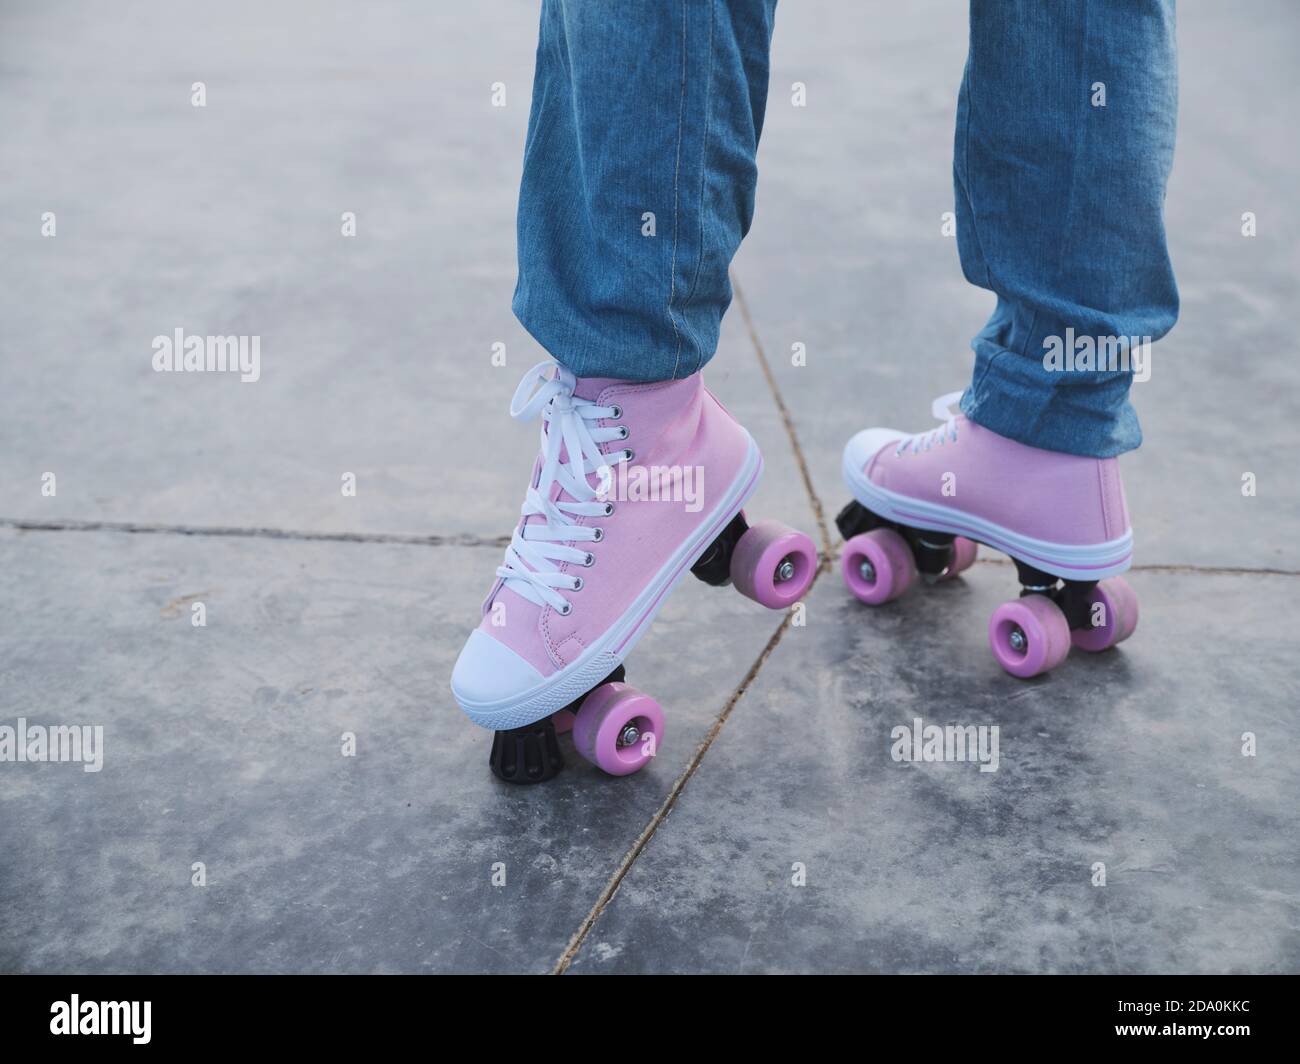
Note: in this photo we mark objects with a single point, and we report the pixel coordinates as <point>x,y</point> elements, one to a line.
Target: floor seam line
<point>1155,567</point>
<point>466,540</point>
<point>233,532</point>
<point>819,514</point>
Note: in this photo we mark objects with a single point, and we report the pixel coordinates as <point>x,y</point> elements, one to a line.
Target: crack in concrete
<point>647,833</point>
<point>1185,568</point>
<point>818,513</point>
<point>826,557</point>
<point>825,560</point>
<point>142,528</point>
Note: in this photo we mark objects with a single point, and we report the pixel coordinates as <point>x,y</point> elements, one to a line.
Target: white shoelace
<point>941,408</point>
<point>568,426</point>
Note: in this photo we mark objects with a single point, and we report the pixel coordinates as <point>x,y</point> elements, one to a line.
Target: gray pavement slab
<point>847,257</point>
<point>224,745</point>
<point>1132,758</point>
<point>376,350</point>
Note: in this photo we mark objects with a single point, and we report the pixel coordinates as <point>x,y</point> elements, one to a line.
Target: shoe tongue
<point>589,388</point>
<point>585,388</point>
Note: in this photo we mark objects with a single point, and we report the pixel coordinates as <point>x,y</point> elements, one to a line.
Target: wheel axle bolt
<point>867,571</point>
<point>785,570</point>
<point>1017,640</point>
<point>629,735</point>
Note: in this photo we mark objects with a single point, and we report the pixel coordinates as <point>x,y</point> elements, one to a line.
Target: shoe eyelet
<point>629,454</point>
<point>600,534</point>
<point>618,412</point>
<point>609,508</point>
<point>589,560</point>
<point>623,433</point>
<point>566,609</point>
<point>577,583</point>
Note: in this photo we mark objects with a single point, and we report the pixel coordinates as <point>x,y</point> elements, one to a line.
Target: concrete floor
<point>329,615</point>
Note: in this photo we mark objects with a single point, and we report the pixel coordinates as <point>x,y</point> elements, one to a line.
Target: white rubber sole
<point>605,654</point>
<point>1070,561</point>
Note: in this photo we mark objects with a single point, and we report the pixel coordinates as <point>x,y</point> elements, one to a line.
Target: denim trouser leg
<point>639,179</point>
<point>1059,209</point>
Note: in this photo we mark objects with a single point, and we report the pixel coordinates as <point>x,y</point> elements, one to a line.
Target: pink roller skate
<point>924,501</point>
<point>636,485</point>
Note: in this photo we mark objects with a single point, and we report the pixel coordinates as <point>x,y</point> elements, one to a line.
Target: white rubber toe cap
<point>489,675</point>
<point>859,450</point>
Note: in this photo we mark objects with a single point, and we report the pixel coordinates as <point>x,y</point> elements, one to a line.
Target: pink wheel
<point>878,566</point>
<point>964,552</point>
<point>1112,615</point>
<point>773,564</point>
<point>618,729</point>
<point>1029,635</point>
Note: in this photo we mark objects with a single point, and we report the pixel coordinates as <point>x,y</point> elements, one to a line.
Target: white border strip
<point>1071,561</point>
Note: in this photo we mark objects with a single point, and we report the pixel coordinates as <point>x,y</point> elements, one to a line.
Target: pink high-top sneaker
<point>636,485</point>
<point>924,501</point>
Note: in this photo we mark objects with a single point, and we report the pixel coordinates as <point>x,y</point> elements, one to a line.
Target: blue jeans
<point>639,179</point>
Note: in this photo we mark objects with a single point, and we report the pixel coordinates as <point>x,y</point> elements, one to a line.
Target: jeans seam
<point>970,198</point>
<point>983,371</point>
<point>1029,332</point>
<point>704,169</point>
<point>1075,151</point>
<point>672,266</point>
